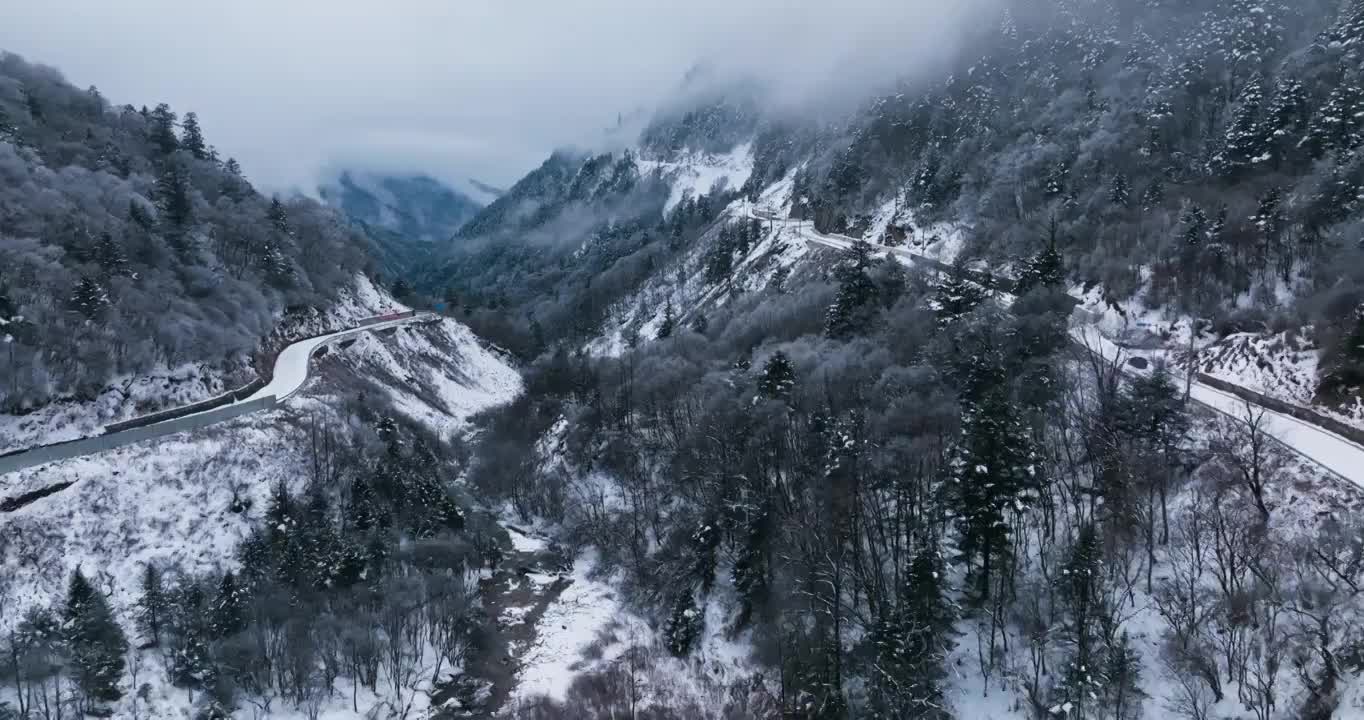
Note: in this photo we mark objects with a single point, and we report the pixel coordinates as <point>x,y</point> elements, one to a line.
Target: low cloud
<point>459,88</point>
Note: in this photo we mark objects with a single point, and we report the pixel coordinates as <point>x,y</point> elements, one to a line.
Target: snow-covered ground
<point>694,174</point>
<point>1277,365</point>
<point>164,388</point>
<point>126,398</point>
<point>588,628</point>
<point>169,501</point>
<point>439,376</point>
<point>1334,453</point>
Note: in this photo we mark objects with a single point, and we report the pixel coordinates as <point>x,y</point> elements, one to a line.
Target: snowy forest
<point>904,493</point>
<point>895,485</point>
<point>127,243</point>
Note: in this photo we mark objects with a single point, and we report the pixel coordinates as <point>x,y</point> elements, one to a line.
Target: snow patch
<point>695,173</point>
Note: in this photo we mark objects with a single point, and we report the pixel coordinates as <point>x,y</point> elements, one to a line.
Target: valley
<point>999,361</point>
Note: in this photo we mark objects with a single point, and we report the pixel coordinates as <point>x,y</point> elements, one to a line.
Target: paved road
<point>1334,453</point>
<point>290,373</point>
<point>291,366</point>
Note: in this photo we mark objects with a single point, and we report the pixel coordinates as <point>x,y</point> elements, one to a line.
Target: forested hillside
<point>915,496</point>
<point>1199,157</point>
<point>128,244</point>
<point>548,260</point>
<point>1200,154</point>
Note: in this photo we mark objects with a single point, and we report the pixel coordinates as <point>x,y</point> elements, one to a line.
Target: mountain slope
<point>417,208</point>
<point>185,505</point>
<point>128,246</point>
<point>900,493</point>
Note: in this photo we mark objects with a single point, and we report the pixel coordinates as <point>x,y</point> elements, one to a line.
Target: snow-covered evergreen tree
<point>956,296</point>
<point>153,605</point>
<point>110,256</point>
<point>1246,142</point>
<point>994,472</point>
<point>89,298</point>
<point>95,641</point>
<point>857,294</point>
<point>163,130</point>
<point>172,196</point>
<point>778,377</point>
<point>1338,125</point>
<point>665,326</point>
<point>1120,192</point>
<point>192,137</point>
<point>911,644</point>
<point>684,625</point>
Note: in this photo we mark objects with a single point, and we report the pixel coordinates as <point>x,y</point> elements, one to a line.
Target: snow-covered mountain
<point>183,505</point>
<point>417,208</point>
<point>832,479</point>
<point>1023,391</point>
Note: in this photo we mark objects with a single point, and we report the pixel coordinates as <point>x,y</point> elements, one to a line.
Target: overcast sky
<point>455,88</point>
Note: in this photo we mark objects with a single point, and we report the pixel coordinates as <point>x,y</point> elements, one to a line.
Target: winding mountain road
<point>291,366</point>
<point>1337,455</point>
<point>290,374</point>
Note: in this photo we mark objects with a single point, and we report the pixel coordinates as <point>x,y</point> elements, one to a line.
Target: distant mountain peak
<point>414,206</point>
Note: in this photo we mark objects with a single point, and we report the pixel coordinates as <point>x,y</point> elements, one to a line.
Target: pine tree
<point>229,609</point>
<point>192,138</point>
<point>89,298</point>
<point>109,255</point>
<point>851,311</point>
<point>1045,269</point>
<point>699,324</point>
<point>778,378</point>
<point>705,542</point>
<point>163,130</point>
<point>750,572</point>
<point>191,663</point>
<point>1122,675</point>
<point>362,510</point>
<point>95,641</point>
<point>912,641</point>
<point>1153,196</point>
<point>994,472</point>
<point>234,185</point>
<point>153,607</point>
<point>956,296</point>
<point>1120,193</point>
<point>275,264</point>
<point>401,289</point>
<point>1081,582</point>
<point>1286,119</point>
<point>1270,223</point>
<point>1195,226</point>
<point>35,107</point>
<point>1337,197</point>
<point>1342,374</point>
<point>684,625</point>
<point>1056,180</point>
<point>172,195</point>
<point>1339,125</point>
<point>665,327</point>
<point>1247,145</point>
<point>278,216</point>
<point>719,262</point>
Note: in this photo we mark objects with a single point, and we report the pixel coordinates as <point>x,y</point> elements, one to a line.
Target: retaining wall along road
<point>99,443</point>
<point>175,420</point>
